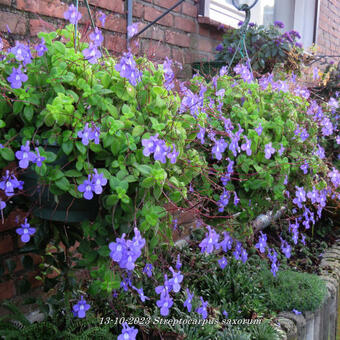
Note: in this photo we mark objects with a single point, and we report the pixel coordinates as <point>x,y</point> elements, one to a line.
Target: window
<point>299,15</point>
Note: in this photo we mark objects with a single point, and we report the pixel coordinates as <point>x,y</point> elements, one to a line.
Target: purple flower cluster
<point>25,156</point>
<point>286,248</point>
<point>126,252</point>
<point>203,309</point>
<point>272,255</point>
<point>244,72</point>
<point>132,30</point>
<point>25,231</point>
<point>9,183</point>
<point>224,200</point>
<point>21,53</point>
<point>168,74</point>
<point>334,175</point>
<point>240,253</point>
<point>72,15</point>
<point>262,244</point>
<point>41,48</point>
<point>89,133</point>
<point>127,68</point>
<point>93,184</point>
<point>219,148</point>
<point>188,301</point>
<point>159,149</point>
<point>210,241</point>
<point>192,101</point>
<point>17,77</point>
<point>269,150</point>
<point>300,196</point>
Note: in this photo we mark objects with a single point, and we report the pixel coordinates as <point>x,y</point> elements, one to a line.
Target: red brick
<point>138,10</point>
<point>39,25</point>
<point>16,23</point>
<point>189,9</point>
<point>112,5</point>
<point>216,35</point>
<point>181,55</point>
<point>6,245</point>
<point>205,45</point>
<point>168,4</point>
<point>187,25</point>
<point>7,290</point>
<point>33,281</point>
<point>153,32</point>
<point>178,39</point>
<point>204,31</point>
<point>116,43</point>
<point>151,14</point>
<point>51,8</point>
<point>156,50</point>
<point>115,24</point>
<point>5,2</point>
<point>13,220</point>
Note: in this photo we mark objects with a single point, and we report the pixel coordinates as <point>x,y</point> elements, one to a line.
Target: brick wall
<point>328,38</point>
<point>178,35</point>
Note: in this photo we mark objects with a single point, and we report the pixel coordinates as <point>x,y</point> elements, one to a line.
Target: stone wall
<point>321,324</point>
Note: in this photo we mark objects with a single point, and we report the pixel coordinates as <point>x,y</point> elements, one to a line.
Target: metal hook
<point>245,8</point>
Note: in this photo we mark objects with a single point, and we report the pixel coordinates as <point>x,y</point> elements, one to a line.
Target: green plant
<point>267,48</point>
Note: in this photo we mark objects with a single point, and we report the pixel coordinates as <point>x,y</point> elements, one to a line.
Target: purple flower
<point>148,269</point>
<point>225,314</point>
<point>187,302</point>
<point>334,175</point>
<point>236,199</point>
<point>9,182</point>
<point>89,134</point>
<point>223,262</point>
<point>279,24</point>
<point>173,155</point>
<point>25,231</point>
<point>128,333</point>
<point>38,159</point>
<point>244,72</point>
<point>1,44</point>
<point>97,37</point>
<point>304,167</point>
<point>41,48</point>
<point>25,155</point>
<point>203,309</point>
<point>219,47</point>
<point>219,148</point>
<point>259,130</point>
<point>210,241</point>
<point>72,15</point>
<point>102,18</point>
<point>17,77</point>
<point>286,248</point>
<point>127,68</point>
<point>21,53</point>
<point>141,293</point>
<point>87,188</point>
<point>80,309</point>
<point>168,74</point>
<point>224,200</point>
<point>132,30</point>
<point>327,127</point>
<point>227,242</point>
<point>281,150</point>
<point>272,255</point>
<point>201,135</point>
<point>296,312</point>
<point>178,263</point>
<point>300,196</point>
<point>2,205</point>
<point>320,152</point>
<point>161,151</point>
<point>246,146</point>
<point>269,150</point>
<point>175,281</point>
<point>316,75</point>
<point>262,244</point>
<point>165,303</point>
<point>92,54</point>
<point>333,103</point>
<point>149,145</point>
<point>98,181</point>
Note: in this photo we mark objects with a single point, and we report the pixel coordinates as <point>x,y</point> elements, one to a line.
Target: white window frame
<point>225,13</point>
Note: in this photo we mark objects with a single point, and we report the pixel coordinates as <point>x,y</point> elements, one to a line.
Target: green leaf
<point>7,154</point>
<point>28,112</point>
<point>81,147</point>
<point>63,184</point>
<point>143,169</point>
<point>67,147</point>
<point>73,173</point>
<point>17,107</point>
<point>137,130</point>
